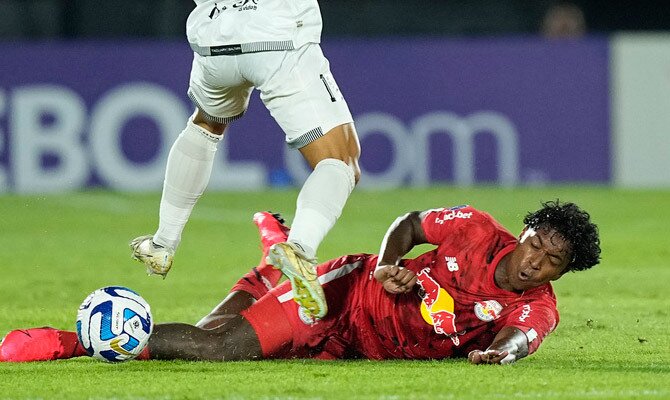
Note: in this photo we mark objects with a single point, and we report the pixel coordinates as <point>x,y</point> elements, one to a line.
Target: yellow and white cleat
<point>301,271</point>
<point>158,259</point>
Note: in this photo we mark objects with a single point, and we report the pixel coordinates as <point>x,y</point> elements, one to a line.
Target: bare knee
<point>340,143</point>
<point>216,128</point>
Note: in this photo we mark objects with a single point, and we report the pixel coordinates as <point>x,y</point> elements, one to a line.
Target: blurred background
<point>165,18</point>
<point>503,92</point>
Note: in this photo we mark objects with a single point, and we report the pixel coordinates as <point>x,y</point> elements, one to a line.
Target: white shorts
<point>296,86</point>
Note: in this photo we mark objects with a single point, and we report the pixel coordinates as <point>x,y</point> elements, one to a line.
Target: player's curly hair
<point>575,225</point>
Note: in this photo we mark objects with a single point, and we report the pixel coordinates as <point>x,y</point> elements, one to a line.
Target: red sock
<point>256,282</point>
<point>263,277</point>
<point>271,231</point>
<point>144,354</point>
<point>70,345</point>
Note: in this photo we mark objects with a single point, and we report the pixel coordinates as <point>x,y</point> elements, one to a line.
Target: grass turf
<point>612,341</point>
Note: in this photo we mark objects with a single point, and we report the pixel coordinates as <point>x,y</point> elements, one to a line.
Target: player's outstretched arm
<point>509,345</point>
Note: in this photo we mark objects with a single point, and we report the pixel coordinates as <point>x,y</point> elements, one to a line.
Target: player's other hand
<point>488,357</point>
<point>395,279</point>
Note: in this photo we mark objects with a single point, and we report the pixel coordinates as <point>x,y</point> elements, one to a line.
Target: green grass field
<point>612,342</point>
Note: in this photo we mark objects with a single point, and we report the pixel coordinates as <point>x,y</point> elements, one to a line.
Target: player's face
<point>541,256</point>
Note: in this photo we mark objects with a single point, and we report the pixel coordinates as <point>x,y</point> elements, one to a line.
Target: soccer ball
<point>114,324</point>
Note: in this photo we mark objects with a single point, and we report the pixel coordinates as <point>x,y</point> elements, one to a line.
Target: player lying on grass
<point>482,293</point>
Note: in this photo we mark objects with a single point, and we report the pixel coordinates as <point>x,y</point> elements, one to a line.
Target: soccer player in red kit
<point>482,293</point>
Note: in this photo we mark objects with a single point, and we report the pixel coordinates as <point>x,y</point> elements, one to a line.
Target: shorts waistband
<point>242,48</point>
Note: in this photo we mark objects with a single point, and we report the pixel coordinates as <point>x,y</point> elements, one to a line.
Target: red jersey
<point>455,306</point>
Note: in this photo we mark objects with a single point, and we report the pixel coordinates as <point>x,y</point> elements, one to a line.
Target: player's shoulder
<point>461,212</point>
<point>544,293</point>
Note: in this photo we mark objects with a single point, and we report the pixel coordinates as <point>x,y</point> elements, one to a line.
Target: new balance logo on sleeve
<point>452,265</point>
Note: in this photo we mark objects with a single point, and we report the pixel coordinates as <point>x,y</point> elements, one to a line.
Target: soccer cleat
<point>271,227</point>
<point>301,271</point>
<point>157,259</point>
<point>35,344</point>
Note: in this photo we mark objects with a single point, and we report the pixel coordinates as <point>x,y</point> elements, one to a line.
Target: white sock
<point>320,203</point>
<point>189,167</point>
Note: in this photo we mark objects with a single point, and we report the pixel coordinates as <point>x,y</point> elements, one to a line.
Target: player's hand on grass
<point>487,357</point>
<point>395,279</point>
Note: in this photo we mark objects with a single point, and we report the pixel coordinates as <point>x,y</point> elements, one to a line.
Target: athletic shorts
<point>285,330</point>
<point>296,86</point>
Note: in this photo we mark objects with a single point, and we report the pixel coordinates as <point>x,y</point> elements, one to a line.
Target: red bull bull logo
<point>488,310</point>
<point>437,306</point>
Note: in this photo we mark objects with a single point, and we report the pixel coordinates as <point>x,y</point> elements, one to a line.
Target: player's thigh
<point>217,88</point>
<point>301,94</point>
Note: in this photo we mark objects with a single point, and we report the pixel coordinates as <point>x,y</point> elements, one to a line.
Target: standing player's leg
<point>334,160</point>
<point>189,167</point>
<point>220,97</point>
<point>304,99</point>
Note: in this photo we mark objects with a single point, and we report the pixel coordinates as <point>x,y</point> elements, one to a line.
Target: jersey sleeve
<point>536,318</point>
<point>439,224</point>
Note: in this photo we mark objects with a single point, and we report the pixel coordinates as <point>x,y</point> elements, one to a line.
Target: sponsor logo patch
<point>244,5</point>
<point>452,265</point>
<point>488,310</point>
<point>525,313</point>
<point>452,214</point>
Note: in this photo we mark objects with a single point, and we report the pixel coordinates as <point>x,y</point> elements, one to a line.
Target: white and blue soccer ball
<point>114,324</point>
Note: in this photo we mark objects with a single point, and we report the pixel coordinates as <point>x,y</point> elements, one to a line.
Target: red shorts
<point>286,331</point>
